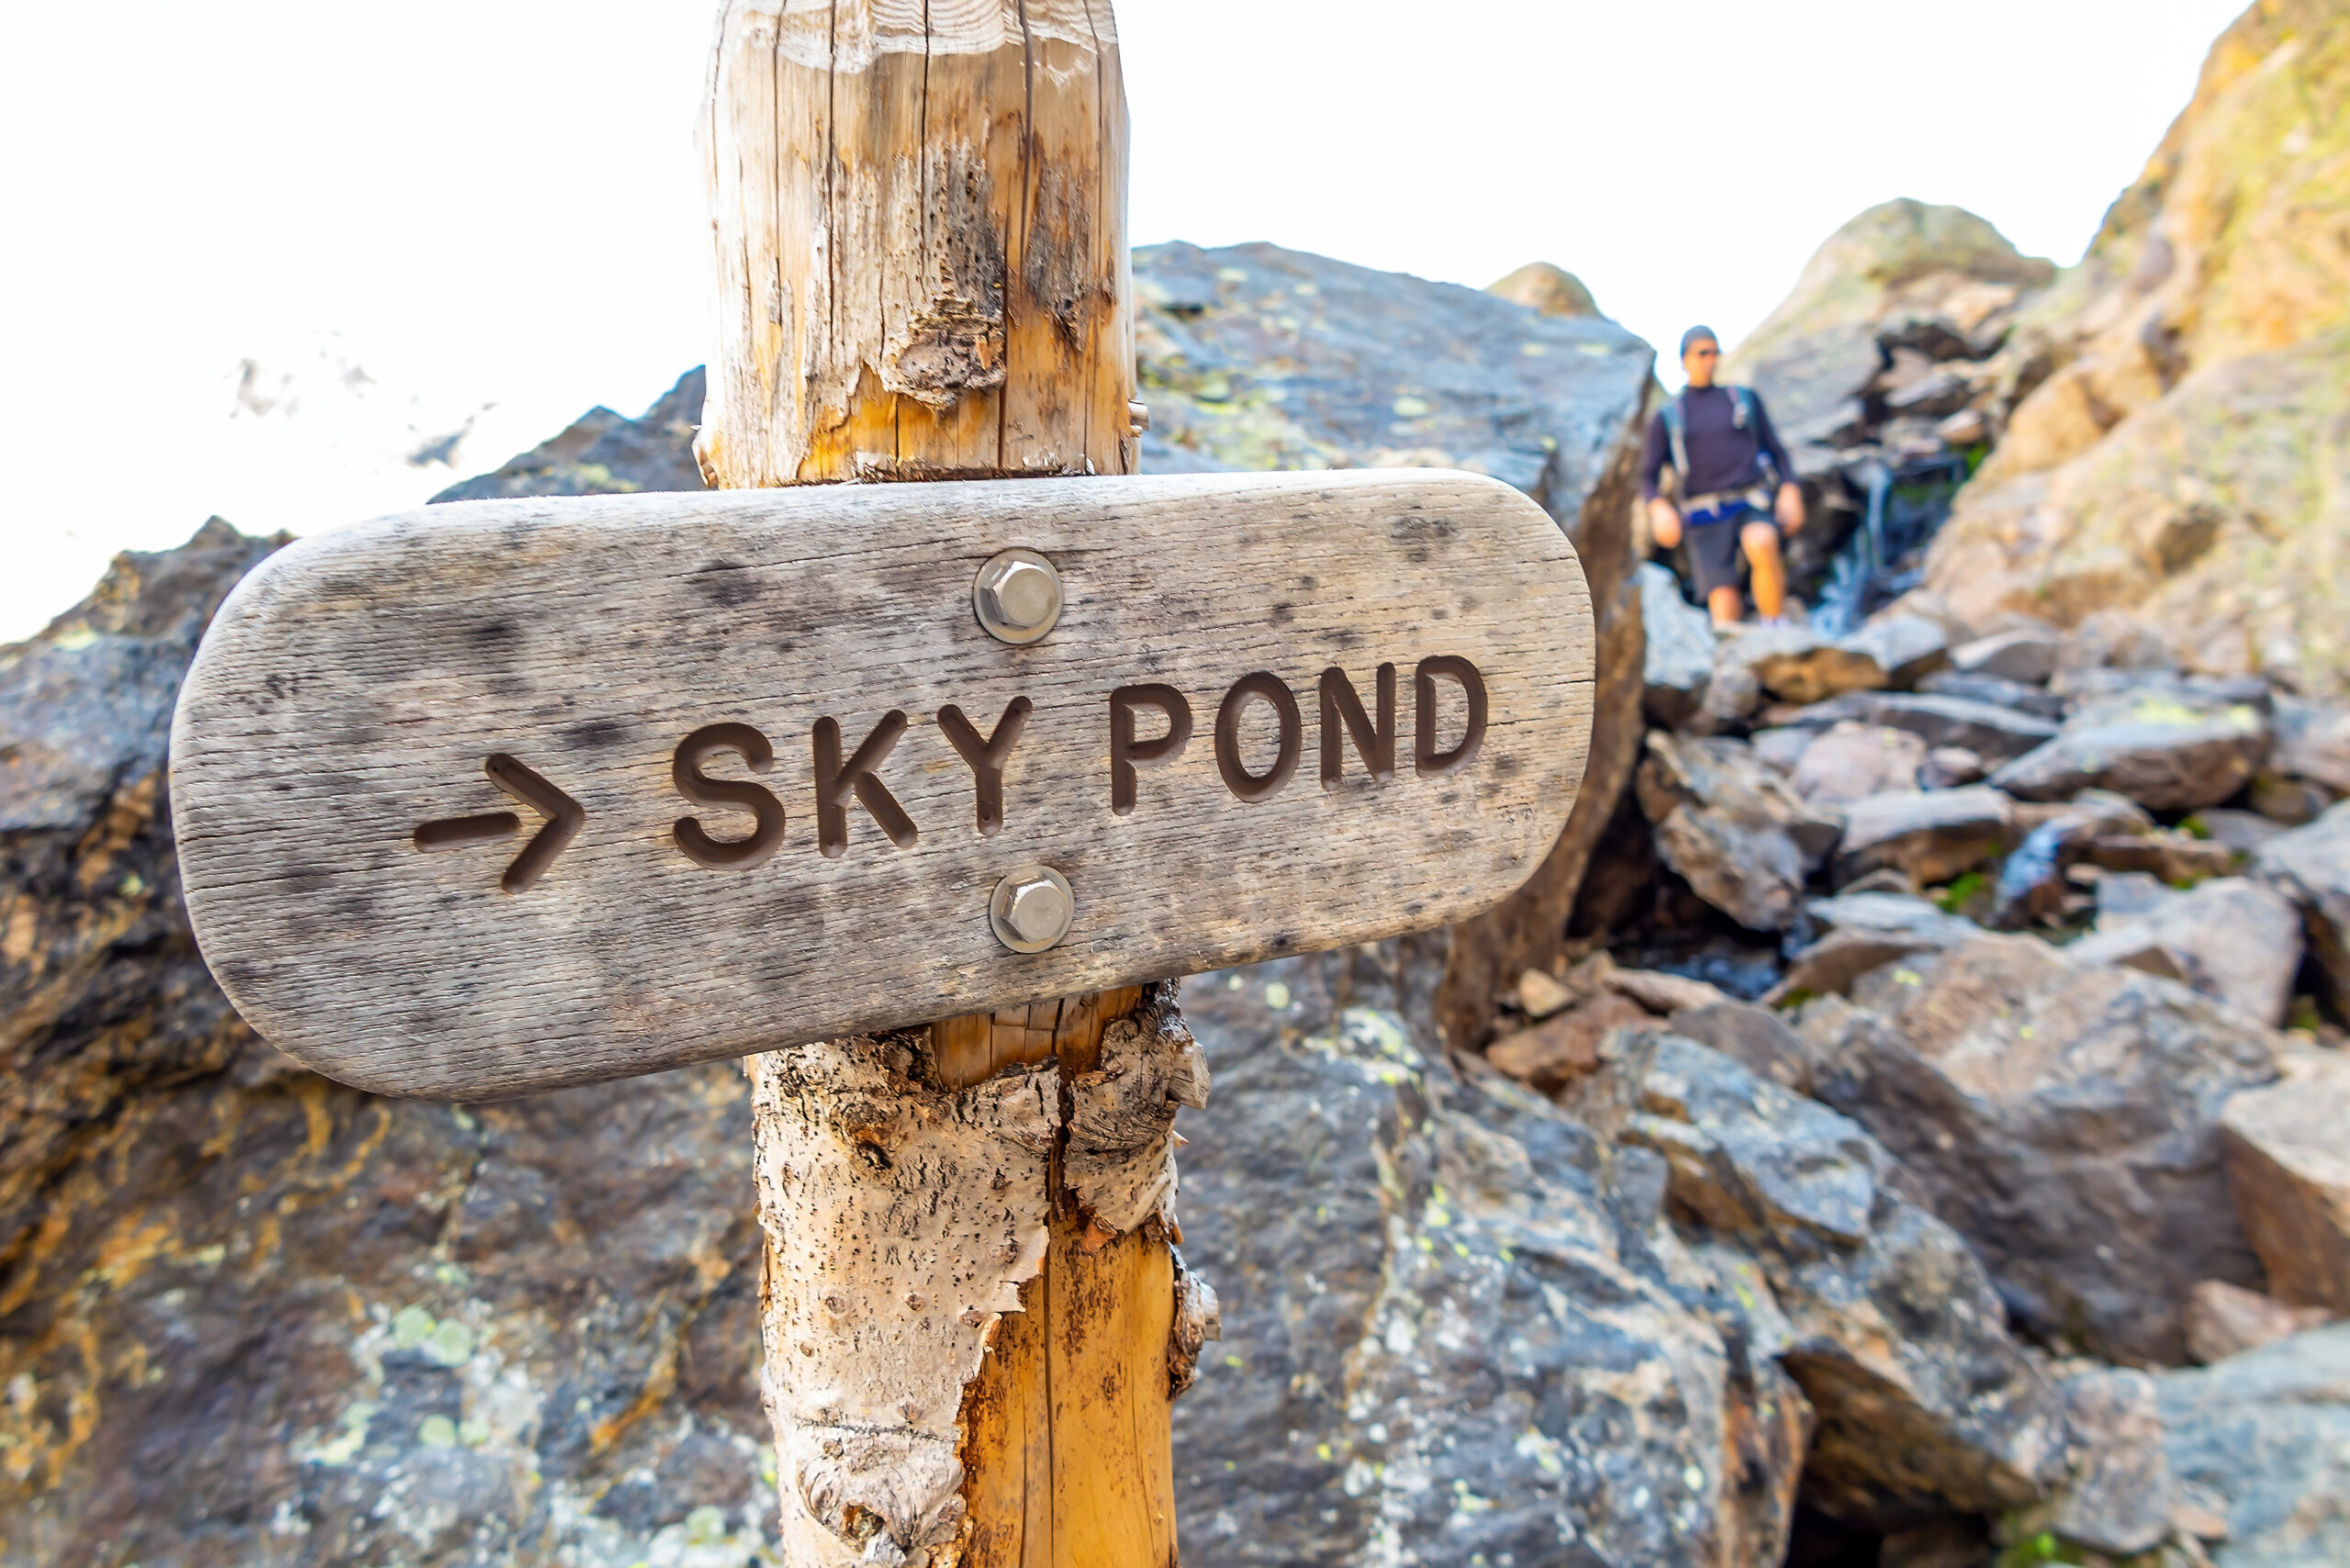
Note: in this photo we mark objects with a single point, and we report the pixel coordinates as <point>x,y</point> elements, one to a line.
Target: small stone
<point>1678,661</point>
<point>2291,802</point>
<point>2027,655</point>
<point>2172,858</point>
<point>2235,940</point>
<point>1930,834</point>
<point>1538,995</point>
<point>1736,830</point>
<point>1865,931</point>
<point>1565,1047</point>
<point>1663,993</point>
<point>1755,1037</point>
<point>1986,729</point>
<point>1994,690</point>
<point>2311,865</point>
<point>1848,761</point>
<point>2118,1498</point>
<point>2225,1320</point>
<point>2165,756</point>
<point>1906,647</point>
<point>1799,664</point>
<point>1950,768</point>
<point>2313,743</point>
<point>1968,427</point>
<point>2199,1519</point>
<point>2238,832</point>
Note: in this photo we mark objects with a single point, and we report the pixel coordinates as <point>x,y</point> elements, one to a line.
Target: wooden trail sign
<point>488,799</point>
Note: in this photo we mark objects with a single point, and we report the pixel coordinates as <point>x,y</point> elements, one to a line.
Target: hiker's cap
<point>1694,336</point>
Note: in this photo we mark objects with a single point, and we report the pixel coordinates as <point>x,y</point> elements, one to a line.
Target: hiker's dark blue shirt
<point>1721,457</point>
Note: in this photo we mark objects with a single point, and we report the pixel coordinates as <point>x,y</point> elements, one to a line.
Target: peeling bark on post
<point>974,1316</point>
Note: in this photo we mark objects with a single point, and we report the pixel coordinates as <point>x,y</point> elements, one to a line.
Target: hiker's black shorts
<point>1713,549</point>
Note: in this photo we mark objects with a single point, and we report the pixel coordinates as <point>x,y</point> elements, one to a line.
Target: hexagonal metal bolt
<point>1017,595</point>
<point>1032,909</point>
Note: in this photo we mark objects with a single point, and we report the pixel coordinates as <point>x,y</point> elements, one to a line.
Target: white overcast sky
<point>485,215</point>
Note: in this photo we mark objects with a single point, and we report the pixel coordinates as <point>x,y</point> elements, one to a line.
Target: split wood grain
<point>919,218</point>
<point>358,685</point>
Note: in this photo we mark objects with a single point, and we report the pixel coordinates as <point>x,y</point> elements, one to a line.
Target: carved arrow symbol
<point>564,816</point>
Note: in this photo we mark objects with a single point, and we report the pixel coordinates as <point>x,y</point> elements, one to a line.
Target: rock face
<point>2167,448</point>
<point>1744,838</point>
<point>2066,1120</point>
<point>102,993</point>
<point>2261,1440</point>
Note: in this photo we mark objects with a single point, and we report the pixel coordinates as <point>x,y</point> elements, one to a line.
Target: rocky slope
<point>2173,450</point>
<point>1899,1125</point>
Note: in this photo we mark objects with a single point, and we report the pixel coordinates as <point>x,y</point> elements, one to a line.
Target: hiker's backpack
<point>1676,427</point>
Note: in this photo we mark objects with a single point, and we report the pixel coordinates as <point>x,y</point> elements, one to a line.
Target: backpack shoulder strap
<point>1741,407</point>
<point>1677,431</point>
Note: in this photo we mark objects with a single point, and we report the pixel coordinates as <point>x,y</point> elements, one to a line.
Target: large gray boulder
<point>2066,1120</point>
<point>2163,757</point>
<point>2233,939</point>
<point>1925,1404</point>
<point>1454,1324</point>
<point>1727,822</point>
<point>364,1329</point>
<point>1253,356</point>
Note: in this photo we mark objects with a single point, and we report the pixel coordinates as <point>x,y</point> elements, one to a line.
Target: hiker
<point>1729,462</point>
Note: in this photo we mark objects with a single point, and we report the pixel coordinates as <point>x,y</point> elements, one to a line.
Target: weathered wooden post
<point>919,218</point>
<point>853,779</point>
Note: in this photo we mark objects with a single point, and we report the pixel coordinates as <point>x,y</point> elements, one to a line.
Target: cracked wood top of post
<point>469,670</point>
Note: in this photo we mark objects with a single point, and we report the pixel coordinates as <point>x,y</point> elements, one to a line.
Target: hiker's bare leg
<point>1725,604</point>
<point>1770,576</point>
<point>1664,523</point>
